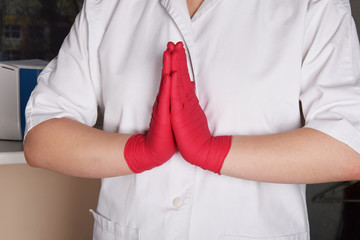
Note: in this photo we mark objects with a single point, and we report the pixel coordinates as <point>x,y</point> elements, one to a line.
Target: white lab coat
<point>252,62</point>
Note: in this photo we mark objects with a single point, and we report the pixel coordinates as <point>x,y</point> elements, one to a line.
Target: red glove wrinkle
<point>146,151</point>
<point>189,122</point>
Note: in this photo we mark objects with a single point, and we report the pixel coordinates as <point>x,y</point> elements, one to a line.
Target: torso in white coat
<point>252,62</point>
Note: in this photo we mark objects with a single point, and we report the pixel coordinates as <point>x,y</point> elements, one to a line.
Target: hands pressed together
<point>177,123</point>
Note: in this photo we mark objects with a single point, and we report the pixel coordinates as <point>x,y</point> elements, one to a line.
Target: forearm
<point>299,156</point>
<point>66,146</point>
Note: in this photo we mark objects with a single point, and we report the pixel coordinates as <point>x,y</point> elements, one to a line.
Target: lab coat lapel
<point>178,11</point>
<point>204,7</point>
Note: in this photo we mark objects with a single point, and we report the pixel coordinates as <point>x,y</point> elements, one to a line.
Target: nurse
<point>204,140</point>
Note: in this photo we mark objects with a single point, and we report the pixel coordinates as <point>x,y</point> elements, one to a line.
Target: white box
<point>17,80</point>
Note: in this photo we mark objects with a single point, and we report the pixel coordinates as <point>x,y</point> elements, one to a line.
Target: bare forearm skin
<point>67,146</point>
<point>299,156</point>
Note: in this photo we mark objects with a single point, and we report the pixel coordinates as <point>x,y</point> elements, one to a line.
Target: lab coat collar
<point>178,11</point>
<point>204,7</point>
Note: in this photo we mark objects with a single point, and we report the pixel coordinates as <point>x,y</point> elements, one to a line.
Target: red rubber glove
<point>189,122</point>
<point>146,151</point>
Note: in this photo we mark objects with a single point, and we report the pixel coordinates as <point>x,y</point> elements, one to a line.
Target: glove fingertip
<point>179,45</point>
<point>170,46</point>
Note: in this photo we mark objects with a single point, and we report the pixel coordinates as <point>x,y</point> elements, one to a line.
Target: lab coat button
<point>177,202</point>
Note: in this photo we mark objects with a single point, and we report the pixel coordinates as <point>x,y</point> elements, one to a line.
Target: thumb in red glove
<point>189,123</point>
<point>146,151</point>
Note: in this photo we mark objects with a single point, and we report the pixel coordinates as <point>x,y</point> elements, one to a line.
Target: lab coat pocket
<point>104,229</point>
<point>298,236</point>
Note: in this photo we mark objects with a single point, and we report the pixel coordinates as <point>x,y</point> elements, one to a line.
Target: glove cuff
<point>219,149</point>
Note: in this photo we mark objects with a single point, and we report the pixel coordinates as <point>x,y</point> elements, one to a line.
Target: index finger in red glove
<point>146,151</point>
<point>189,122</point>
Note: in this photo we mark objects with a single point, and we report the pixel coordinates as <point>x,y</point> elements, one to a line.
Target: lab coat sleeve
<point>330,90</point>
<point>67,87</point>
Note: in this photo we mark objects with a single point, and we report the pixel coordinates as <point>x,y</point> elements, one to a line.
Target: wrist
<point>218,150</point>
<point>210,155</point>
<point>134,153</point>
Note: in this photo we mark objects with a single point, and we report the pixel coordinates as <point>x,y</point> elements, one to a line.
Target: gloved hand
<point>146,151</point>
<point>189,122</point>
